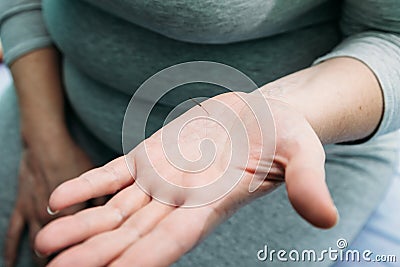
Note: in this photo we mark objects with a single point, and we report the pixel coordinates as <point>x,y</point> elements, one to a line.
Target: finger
<point>98,182</point>
<point>101,249</point>
<point>34,189</point>
<point>14,232</point>
<point>34,228</point>
<point>175,235</point>
<point>306,186</point>
<point>73,229</point>
<point>40,199</point>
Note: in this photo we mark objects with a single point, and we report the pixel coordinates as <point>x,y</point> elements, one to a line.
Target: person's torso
<point>111,47</point>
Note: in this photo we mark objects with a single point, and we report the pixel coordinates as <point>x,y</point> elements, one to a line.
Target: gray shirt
<point>111,47</point>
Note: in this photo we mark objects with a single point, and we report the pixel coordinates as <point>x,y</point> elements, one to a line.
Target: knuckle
<point>120,215</point>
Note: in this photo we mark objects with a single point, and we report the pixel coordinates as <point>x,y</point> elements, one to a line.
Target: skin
<point>335,101</point>
<point>50,156</point>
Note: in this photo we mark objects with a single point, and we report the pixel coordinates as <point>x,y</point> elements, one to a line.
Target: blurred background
<point>5,78</point>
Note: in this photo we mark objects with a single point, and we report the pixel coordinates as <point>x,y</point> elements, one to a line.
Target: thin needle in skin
<point>197,103</point>
<point>208,114</point>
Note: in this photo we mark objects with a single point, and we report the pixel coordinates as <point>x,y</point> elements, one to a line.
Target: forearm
<point>38,84</point>
<point>341,98</point>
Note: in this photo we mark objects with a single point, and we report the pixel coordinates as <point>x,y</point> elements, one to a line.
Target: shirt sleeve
<point>372,35</point>
<point>22,28</point>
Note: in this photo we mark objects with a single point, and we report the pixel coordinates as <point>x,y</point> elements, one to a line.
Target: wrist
<point>293,90</point>
<point>340,98</point>
<point>45,136</point>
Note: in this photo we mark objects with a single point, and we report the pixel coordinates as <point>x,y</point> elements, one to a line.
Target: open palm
<point>155,211</point>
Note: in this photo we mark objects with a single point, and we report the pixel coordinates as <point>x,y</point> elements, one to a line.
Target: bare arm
<point>38,83</point>
<point>341,98</point>
<point>49,155</point>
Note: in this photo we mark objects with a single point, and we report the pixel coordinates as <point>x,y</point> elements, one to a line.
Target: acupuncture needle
<point>200,105</point>
<point>197,103</point>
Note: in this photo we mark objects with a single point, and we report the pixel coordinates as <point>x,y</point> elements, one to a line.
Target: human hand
<point>42,168</point>
<point>132,225</point>
<point>1,53</point>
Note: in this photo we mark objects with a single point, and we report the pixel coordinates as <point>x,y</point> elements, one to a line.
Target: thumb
<point>306,187</point>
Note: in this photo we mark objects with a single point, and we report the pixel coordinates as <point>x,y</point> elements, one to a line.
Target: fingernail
<point>50,212</point>
<point>42,256</point>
